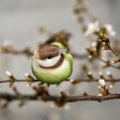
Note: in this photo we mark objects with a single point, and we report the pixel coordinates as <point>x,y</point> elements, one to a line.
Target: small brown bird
<point>51,63</point>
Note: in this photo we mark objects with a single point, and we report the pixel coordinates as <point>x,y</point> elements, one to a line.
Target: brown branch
<point>110,48</point>
<point>30,53</point>
<point>27,52</point>
<point>48,98</point>
<point>74,80</point>
<point>18,52</point>
<point>108,64</point>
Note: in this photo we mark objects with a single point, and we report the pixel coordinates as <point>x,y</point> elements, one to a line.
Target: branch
<point>74,54</point>
<point>42,93</point>
<point>48,98</point>
<point>108,64</point>
<point>110,48</point>
<point>24,51</point>
<point>68,80</point>
<point>27,52</point>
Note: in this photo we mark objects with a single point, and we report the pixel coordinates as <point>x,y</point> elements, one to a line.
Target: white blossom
<point>100,94</point>
<point>92,28</point>
<point>93,44</point>
<point>8,73</point>
<point>27,74</point>
<point>109,29</point>
<point>52,105</point>
<point>100,73</point>
<point>108,73</point>
<point>111,86</point>
<point>102,82</point>
<point>7,43</point>
<point>67,107</point>
<point>33,85</point>
<point>28,44</point>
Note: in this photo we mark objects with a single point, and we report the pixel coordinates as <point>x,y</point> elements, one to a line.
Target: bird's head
<point>49,56</point>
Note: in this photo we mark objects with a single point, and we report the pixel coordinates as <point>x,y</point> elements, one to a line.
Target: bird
<point>51,63</point>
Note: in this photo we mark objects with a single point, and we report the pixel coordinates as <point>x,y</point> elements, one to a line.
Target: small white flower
<point>92,28</point>
<point>109,29</point>
<point>28,44</point>
<point>100,73</point>
<point>111,86</point>
<point>93,44</point>
<point>100,94</point>
<point>89,73</point>
<point>99,86</point>
<point>102,82</point>
<point>52,105</point>
<point>33,85</point>
<point>27,74</point>
<point>108,73</point>
<point>7,43</point>
<point>8,73</point>
<point>71,80</point>
<point>67,107</point>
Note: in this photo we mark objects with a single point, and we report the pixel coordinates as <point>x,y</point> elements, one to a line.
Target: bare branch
<point>48,98</point>
<point>68,80</point>
<point>108,64</point>
<point>24,51</point>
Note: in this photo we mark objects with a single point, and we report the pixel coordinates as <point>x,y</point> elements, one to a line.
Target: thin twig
<point>30,53</point>
<point>112,50</point>
<point>19,52</point>
<point>109,65</point>
<point>77,80</point>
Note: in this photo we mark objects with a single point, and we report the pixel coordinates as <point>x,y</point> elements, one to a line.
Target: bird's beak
<point>62,50</point>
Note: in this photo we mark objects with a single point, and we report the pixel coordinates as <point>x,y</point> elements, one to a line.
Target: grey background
<point>19,21</point>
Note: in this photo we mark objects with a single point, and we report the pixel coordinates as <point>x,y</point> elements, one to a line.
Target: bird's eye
<point>49,57</point>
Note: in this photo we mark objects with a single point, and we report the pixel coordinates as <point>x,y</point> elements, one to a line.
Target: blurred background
<point>19,23</point>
